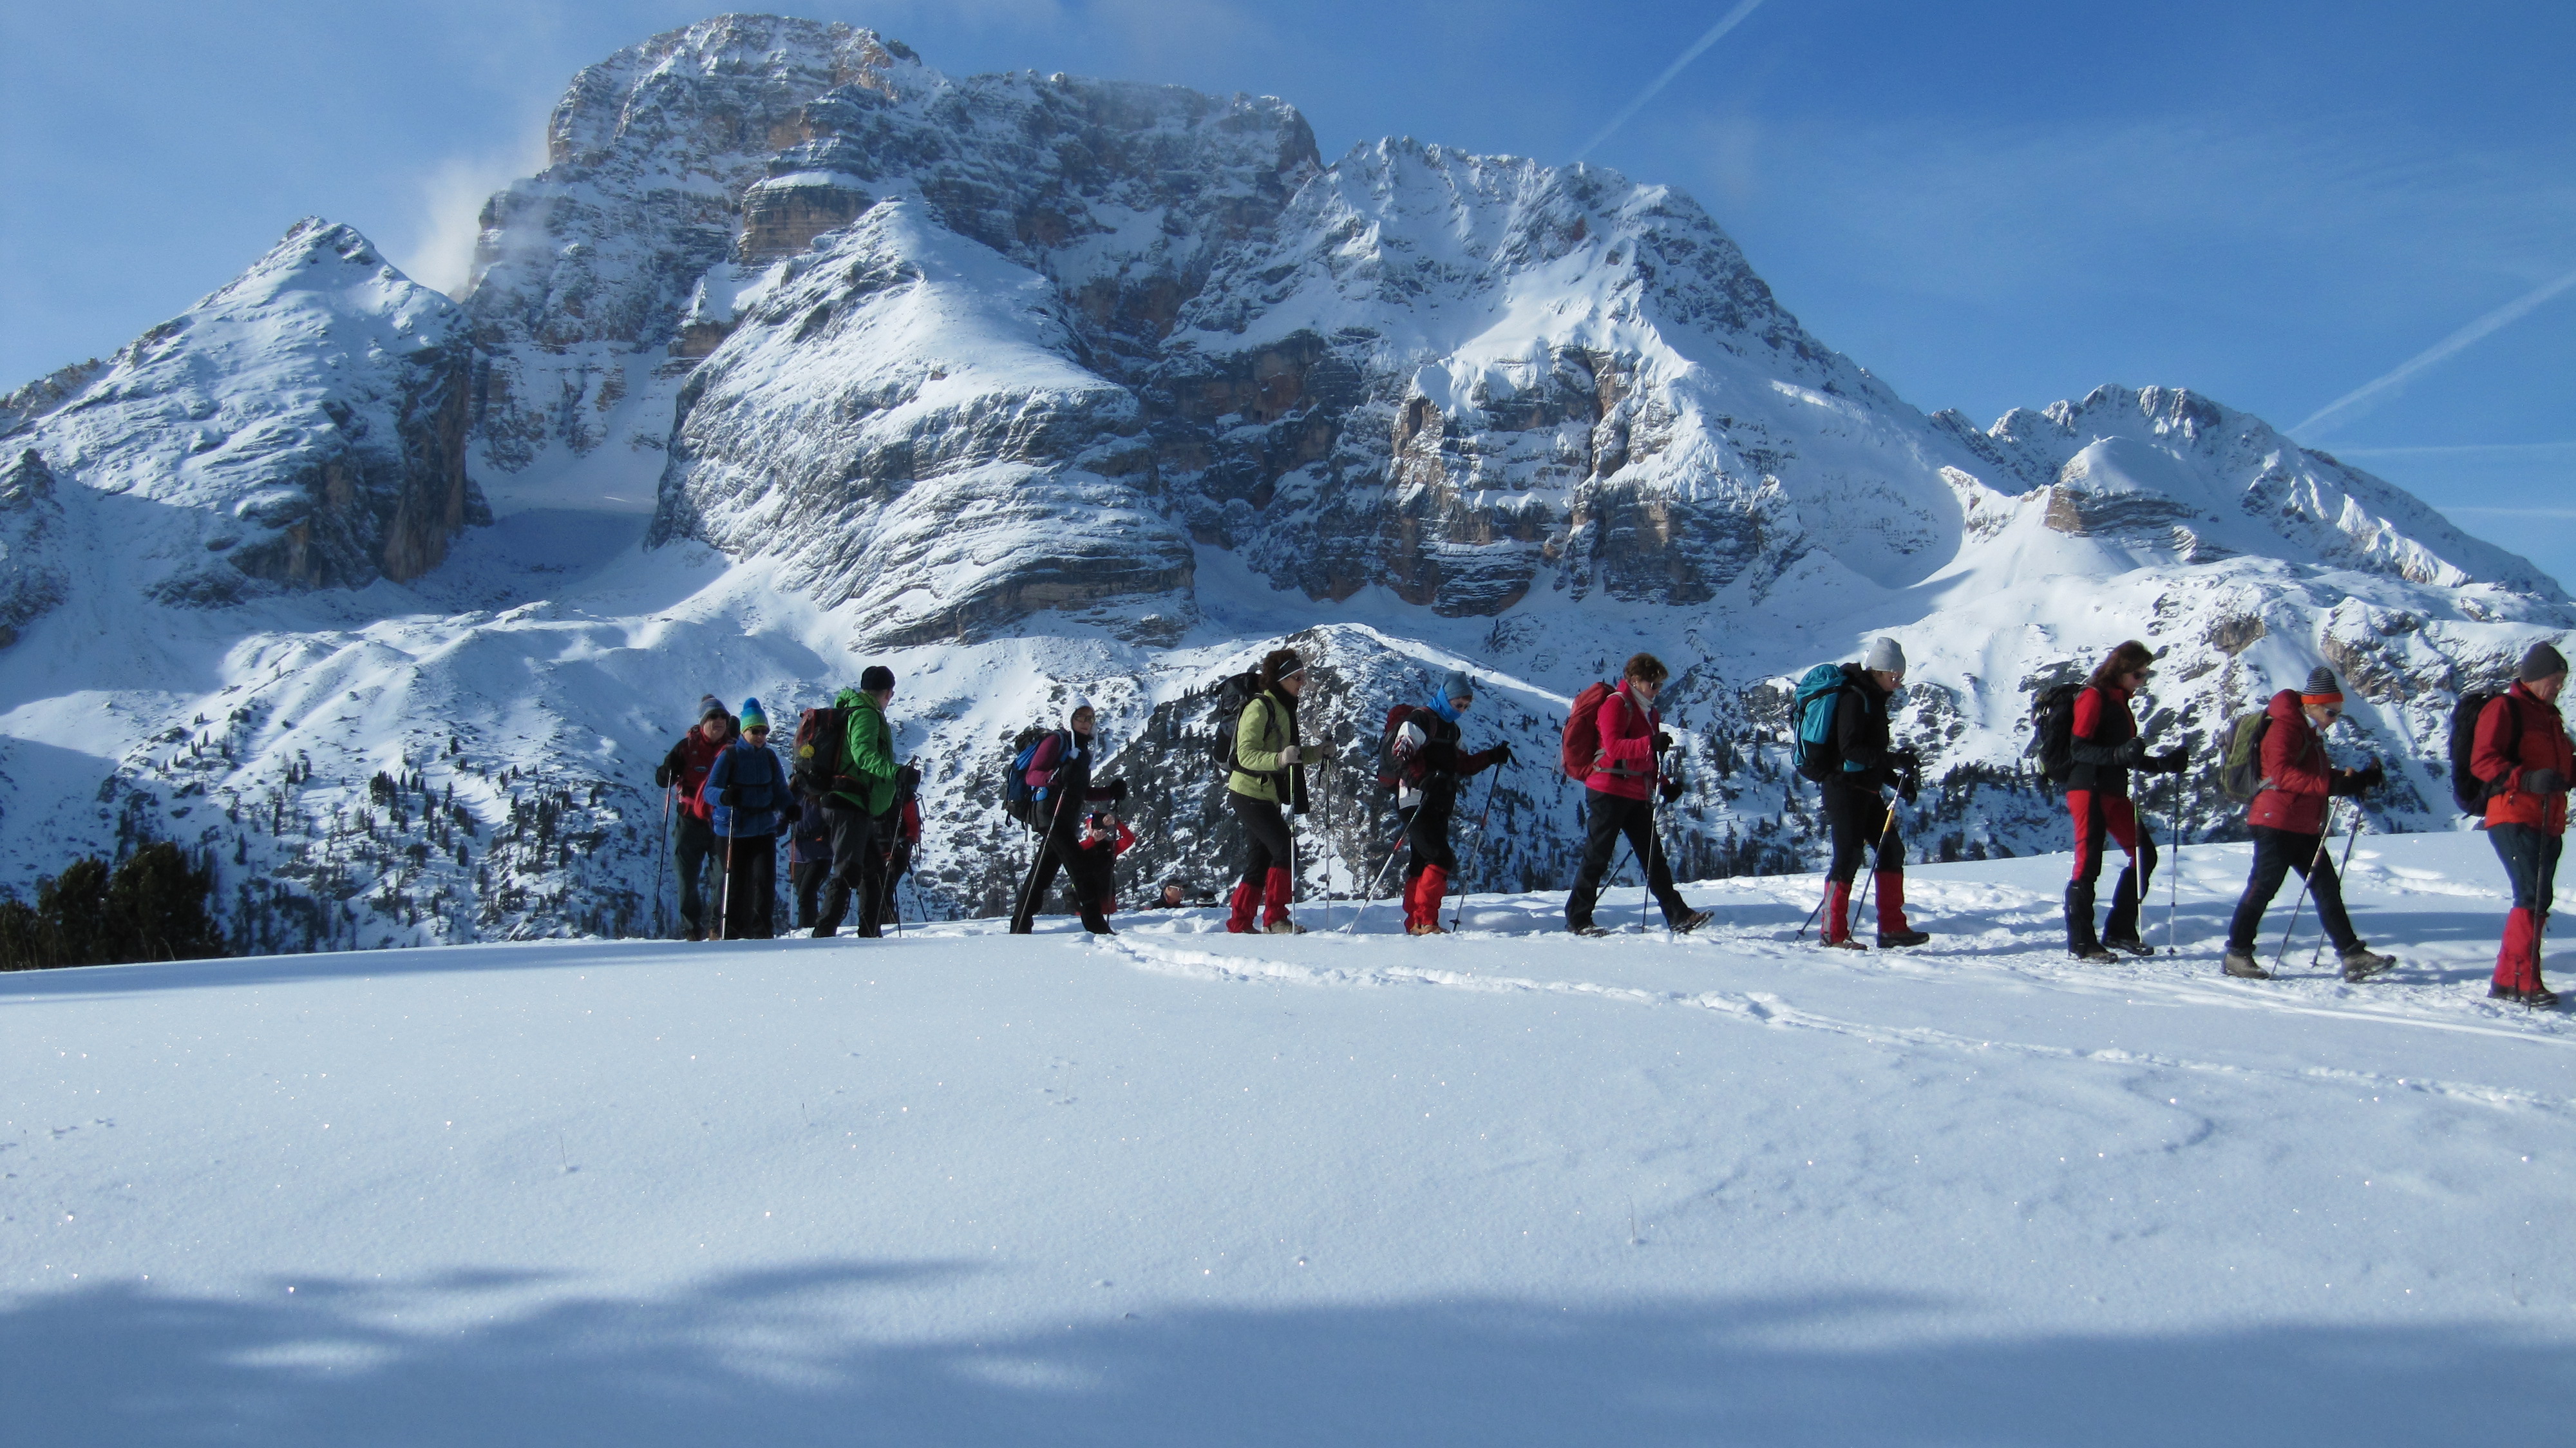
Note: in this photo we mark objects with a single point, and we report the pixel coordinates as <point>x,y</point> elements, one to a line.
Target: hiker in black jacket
<point>1859,815</point>
<point>1062,767</point>
<point>1427,766</point>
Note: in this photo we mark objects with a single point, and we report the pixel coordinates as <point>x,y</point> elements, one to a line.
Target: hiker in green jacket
<point>1268,773</point>
<point>862,788</point>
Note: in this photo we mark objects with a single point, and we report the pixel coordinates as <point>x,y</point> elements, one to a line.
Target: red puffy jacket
<point>2541,744</point>
<point>689,761</point>
<point>2297,775</point>
<point>1626,764</point>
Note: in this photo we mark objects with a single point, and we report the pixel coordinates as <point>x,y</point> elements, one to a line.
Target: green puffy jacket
<point>867,768</point>
<point>1268,724</point>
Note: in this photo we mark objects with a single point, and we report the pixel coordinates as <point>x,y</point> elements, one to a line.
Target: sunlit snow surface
<point>1185,1188</point>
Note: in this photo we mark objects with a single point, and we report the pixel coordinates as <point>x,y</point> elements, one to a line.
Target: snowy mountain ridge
<point>802,355</point>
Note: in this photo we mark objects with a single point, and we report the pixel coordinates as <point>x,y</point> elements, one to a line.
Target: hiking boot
<point>1424,927</point>
<point>1587,928</point>
<point>1283,926</point>
<point>2539,998</point>
<point>2130,943</point>
<point>1893,939</point>
<point>2361,963</point>
<point>2240,963</point>
<point>2092,952</point>
<point>1690,922</point>
<point>1848,942</point>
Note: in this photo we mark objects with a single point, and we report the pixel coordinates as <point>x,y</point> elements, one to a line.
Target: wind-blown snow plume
<point>2348,405</point>
<point>1628,112</point>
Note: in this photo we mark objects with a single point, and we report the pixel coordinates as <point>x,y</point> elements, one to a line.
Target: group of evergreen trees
<point>151,907</point>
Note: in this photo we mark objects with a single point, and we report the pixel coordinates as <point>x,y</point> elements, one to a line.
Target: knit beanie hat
<point>874,678</point>
<point>2542,662</point>
<point>753,717</point>
<point>1456,685</point>
<point>710,707</point>
<point>1883,656</point>
<point>2322,687</point>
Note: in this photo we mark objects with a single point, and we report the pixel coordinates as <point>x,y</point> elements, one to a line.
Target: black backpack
<point>2468,791</point>
<point>2052,735</point>
<point>822,737</point>
<point>1232,697</point>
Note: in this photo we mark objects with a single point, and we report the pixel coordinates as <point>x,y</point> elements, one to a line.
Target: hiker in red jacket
<point>1617,798</point>
<point>2524,755</point>
<point>2288,818</point>
<point>2106,747</point>
<point>685,769</point>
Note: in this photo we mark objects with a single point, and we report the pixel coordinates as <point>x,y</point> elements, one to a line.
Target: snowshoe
<point>2539,999</point>
<point>2361,963</point>
<point>2130,943</point>
<point>1848,942</point>
<point>1589,929</point>
<point>1897,939</point>
<point>1690,922</point>
<point>1283,927</point>
<point>2092,952</point>
<point>2240,963</point>
<point>1425,927</point>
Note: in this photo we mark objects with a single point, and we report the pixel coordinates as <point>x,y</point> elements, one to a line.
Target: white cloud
<point>439,251</point>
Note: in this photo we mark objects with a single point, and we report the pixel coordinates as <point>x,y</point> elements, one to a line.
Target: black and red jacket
<point>2103,728</point>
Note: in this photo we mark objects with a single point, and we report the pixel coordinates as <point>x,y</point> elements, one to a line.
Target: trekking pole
<point>1478,858</point>
<point>1876,849</point>
<point>1646,866</point>
<point>724,897</point>
<point>2318,954</point>
<point>661,862</point>
<point>2173,868</point>
<point>1394,847</point>
<point>1329,741</point>
<point>1812,914</point>
<point>2305,881</point>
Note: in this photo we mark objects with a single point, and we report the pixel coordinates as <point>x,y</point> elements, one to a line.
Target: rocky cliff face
<point>303,427</point>
<point>1031,386</point>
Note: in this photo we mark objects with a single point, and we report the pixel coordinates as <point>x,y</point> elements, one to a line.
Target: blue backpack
<point>1817,754</point>
<point>1019,800</point>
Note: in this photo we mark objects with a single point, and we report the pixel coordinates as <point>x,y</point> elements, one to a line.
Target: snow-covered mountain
<point>801,355</point>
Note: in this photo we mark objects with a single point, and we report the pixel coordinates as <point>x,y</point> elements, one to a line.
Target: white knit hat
<point>1076,705</point>
<point>1883,656</point>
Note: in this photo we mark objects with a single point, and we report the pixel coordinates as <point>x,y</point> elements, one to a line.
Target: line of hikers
<point>852,815</point>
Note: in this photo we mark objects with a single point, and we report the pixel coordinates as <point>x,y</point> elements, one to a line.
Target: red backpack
<point>1583,731</point>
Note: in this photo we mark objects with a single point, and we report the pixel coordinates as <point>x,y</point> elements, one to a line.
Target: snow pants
<point>2099,819</point>
<point>807,877</point>
<point>2530,859</point>
<point>1431,859</point>
<point>696,839</point>
<point>1269,862</point>
<point>854,862</point>
<point>1090,871</point>
<point>2276,854</point>
<point>746,882</point>
<point>1607,819</point>
<point>1858,817</point>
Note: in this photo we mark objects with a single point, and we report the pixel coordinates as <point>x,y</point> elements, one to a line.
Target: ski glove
<point>2543,781</point>
<point>1287,755</point>
<point>1663,740</point>
<point>1911,786</point>
<point>1672,789</point>
<point>661,776</point>
<point>1500,754</point>
<point>1117,789</point>
<point>2170,762</point>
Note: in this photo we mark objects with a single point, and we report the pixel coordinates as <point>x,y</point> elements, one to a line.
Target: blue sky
<point>1989,204</point>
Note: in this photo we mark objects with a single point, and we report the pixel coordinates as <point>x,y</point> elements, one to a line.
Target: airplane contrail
<point>1733,18</point>
<point>2449,346</point>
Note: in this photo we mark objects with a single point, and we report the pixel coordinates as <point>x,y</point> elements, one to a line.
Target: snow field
<point>1181,1187</point>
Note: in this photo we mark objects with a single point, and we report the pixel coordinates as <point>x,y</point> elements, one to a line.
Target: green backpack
<point>2241,749</point>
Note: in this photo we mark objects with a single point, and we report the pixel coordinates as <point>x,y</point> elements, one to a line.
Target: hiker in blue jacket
<point>747,788</point>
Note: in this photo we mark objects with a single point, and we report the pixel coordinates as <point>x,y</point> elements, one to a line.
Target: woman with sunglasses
<point>2288,818</point>
<point>2107,746</point>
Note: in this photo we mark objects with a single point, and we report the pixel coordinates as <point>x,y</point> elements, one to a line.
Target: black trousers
<point>854,861</point>
<point>1426,837</point>
<point>807,876</point>
<point>1607,818</point>
<point>1857,817</point>
<point>696,839</point>
<point>2530,861</point>
<point>2276,854</point>
<point>1089,870</point>
<point>746,881</point>
<point>1266,842</point>
<point>2099,818</point>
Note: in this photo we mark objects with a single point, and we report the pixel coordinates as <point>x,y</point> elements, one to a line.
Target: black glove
<point>1906,760</point>
<point>2543,781</point>
<point>661,776</point>
<point>1672,788</point>
<point>1500,753</point>
<point>1663,740</point>
<point>2169,762</point>
<point>1117,791</point>
<point>1911,786</point>
<point>2131,754</point>
<point>724,796</point>
<point>2373,777</point>
<point>2344,783</point>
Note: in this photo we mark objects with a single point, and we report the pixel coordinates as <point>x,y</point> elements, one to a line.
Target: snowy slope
<point>1183,1188</point>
